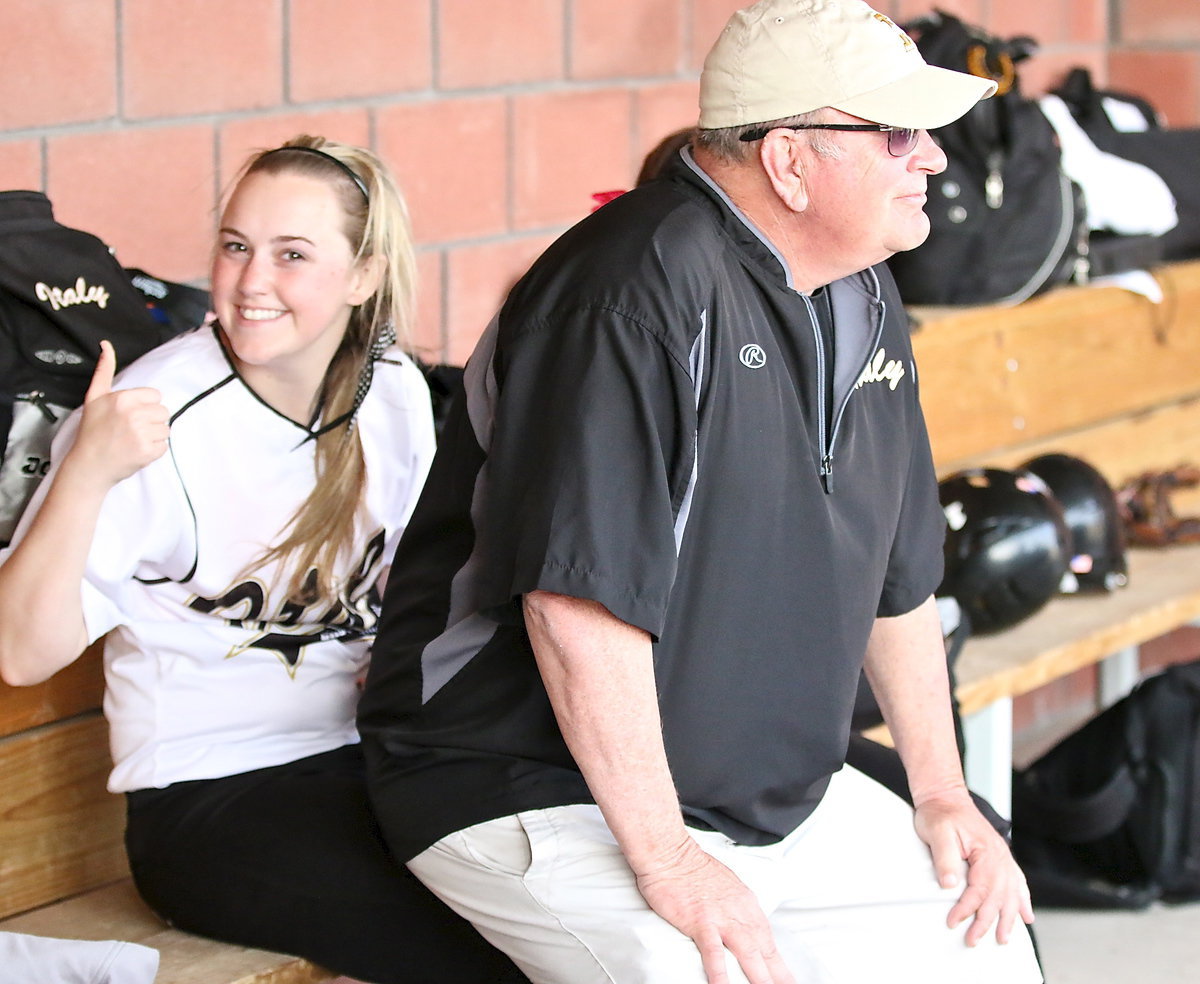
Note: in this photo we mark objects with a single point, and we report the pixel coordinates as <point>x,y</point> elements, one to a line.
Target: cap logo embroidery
<point>905,39</point>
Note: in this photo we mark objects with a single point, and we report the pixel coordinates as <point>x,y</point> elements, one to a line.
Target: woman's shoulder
<point>399,382</point>
<point>397,414</point>
<point>181,367</point>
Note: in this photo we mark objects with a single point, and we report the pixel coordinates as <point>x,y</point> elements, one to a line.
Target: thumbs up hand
<point>120,432</point>
<point>102,377</point>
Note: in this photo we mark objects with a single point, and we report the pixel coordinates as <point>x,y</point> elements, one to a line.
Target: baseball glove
<point>1146,510</point>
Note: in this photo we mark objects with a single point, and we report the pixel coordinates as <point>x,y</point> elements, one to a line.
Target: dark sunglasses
<point>900,142</point>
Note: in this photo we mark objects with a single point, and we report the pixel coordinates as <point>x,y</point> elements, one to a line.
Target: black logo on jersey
<point>287,628</point>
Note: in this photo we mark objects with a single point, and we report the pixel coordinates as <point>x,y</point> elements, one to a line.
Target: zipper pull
<point>827,473</point>
<point>38,399</point>
<point>993,184</point>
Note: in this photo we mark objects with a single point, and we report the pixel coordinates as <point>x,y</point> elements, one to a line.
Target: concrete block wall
<point>500,117</point>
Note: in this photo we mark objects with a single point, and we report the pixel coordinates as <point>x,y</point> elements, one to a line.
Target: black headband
<point>350,172</point>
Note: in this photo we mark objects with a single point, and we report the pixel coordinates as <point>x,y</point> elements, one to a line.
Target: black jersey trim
<point>220,384</point>
<point>306,428</point>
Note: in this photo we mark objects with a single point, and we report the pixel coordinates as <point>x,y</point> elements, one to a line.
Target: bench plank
<point>1074,631</point>
<point>72,690</point>
<point>115,912</point>
<point>1120,449</point>
<point>61,832</point>
<point>993,379</point>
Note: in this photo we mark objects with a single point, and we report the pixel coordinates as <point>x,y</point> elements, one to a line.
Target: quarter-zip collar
<point>850,360</point>
<point>857,304</point>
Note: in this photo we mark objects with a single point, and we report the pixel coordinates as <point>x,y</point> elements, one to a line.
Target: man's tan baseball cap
<point>780,58</point>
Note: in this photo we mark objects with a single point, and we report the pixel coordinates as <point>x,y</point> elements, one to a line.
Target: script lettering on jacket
<point>80,293</point>
<point>881,369</point>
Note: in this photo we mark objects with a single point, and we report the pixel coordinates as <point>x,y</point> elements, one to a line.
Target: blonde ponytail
<point>320,536</point>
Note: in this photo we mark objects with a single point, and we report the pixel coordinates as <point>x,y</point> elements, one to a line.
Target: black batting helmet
<point>1007,545</point>
<point>1090,508</point>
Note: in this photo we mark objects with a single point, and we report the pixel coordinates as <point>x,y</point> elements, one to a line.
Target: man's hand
<point>706,901</point>
<point>119,432</point>
<point>995,892</point>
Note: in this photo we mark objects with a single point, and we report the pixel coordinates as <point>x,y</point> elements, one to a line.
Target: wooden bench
<point>63,871</point>
<point>1101,373</point>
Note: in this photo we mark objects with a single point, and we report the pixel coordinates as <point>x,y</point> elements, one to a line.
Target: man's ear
<point>368,274</point>
<point>781,154</point>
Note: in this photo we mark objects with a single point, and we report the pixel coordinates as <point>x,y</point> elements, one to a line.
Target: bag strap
<point>1187,676</point>
<point>1075,820</point>
<point>1190,848</point>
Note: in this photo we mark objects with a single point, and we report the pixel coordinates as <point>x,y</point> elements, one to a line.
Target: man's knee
<point>552,890</point>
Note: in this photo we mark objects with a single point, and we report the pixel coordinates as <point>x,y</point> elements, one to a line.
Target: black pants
<point>290,859</point>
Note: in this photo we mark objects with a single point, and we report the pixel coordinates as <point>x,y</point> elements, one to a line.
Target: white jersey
<point>211,672</point>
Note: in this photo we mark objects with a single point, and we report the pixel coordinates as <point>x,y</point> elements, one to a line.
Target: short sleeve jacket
<point>652,423</point>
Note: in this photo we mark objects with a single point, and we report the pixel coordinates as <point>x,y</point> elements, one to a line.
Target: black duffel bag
<point>1110,817</point>
<point>1005,221</point>
<point>61,292</point>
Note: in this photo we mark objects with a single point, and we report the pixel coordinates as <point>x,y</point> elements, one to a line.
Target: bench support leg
<point>1119,674</point>
<point>988,763</point>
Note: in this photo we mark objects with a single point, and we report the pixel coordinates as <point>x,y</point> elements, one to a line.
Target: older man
<point>687,493</point>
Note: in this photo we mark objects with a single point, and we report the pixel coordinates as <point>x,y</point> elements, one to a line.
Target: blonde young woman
<point>224,513</point>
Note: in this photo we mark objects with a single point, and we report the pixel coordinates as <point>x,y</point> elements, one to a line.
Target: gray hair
<point>726,143</point>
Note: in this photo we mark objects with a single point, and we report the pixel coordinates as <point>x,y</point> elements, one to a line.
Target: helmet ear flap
<point>1090,508</point>
<point>1007,545</point>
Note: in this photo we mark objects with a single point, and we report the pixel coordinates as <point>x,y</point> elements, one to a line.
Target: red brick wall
<point>500,117</point>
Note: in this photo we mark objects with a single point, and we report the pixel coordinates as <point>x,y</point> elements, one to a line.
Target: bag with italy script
<point>1110,817</point>
<point>61,293</point>
<point>1005,221</point>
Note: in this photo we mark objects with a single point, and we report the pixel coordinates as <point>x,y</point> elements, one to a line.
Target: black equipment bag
<point>1172,153</point>
<point>61,293</point>
<point>1005,221</point>
<point>176,307</point>
<point>1087,105</point>
<point>1109,253</point>
<point>1110,817</point>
